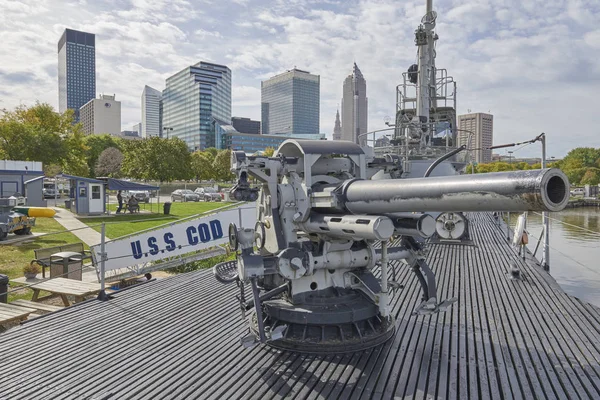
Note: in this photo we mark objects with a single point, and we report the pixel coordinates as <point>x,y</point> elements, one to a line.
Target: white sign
<point>176,239</point>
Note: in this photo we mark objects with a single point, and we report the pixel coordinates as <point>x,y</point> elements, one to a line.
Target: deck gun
<point>328,213</point>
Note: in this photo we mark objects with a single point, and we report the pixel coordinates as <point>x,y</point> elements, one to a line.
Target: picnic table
<point>65,287</point>
<point>10,313</point>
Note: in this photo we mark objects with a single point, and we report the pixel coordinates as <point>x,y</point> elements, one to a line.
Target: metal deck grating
<point>179,338</point>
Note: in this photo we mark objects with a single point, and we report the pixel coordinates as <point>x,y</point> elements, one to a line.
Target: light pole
<point>545,220</point>
<point>167,129</point>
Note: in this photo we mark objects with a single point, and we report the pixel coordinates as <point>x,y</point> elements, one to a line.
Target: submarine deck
<point>179,338</point>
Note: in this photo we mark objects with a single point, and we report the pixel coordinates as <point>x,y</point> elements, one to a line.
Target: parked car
<point>208,194</point>
<point>140,195</point>
<point>577,192</point>
<point>184,195</point>
<point>50,193</point>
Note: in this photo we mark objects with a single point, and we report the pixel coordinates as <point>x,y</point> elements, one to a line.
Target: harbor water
<point>574,249</point>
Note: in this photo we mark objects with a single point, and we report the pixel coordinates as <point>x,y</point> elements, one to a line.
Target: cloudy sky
<point>534,64</point>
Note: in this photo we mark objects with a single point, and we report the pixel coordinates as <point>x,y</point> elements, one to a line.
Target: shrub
<point>31,269</point>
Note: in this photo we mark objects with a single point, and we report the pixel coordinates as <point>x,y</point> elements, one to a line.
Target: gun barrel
<point>529,190</point>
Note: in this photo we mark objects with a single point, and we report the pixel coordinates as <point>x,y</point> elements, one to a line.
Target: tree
<point>502,166</point>
<point>96,144</point>
<point>591,177</point>
<point>269,151</point>
<point>74,162</point>
<point>109,163</point>
<point>580,157</point>
<point>485,168</point>
<point>51,170</point>
<point>212,151</point>
<point>36,133</point>
<point>202,165</point>
<point>222,166</point>
<point>522,166</point>
<point>157,159</point>
<point>575,175</point>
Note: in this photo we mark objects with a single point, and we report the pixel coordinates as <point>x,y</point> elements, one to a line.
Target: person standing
<point>120,200</point>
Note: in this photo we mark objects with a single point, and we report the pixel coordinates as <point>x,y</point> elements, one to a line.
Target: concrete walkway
<point>87,235</point>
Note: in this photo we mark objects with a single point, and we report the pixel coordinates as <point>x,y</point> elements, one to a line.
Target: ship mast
<point>425,39</point>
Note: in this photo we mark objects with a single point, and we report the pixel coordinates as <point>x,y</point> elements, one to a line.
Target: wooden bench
<point>42,256</point>
<point>10,313</point>
<point>135,208</point>
<point>65,287</point>
<point>36,306</point>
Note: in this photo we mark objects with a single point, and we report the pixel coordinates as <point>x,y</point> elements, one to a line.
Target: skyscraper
<point>246,125</point>
<point>481,127</point>
<point>193,99</point>
<point>76,70</point>
<point>354,106</point>
<point>337,129</point>
<point>101,115</point>
<point>290,103</point>
<point>151,108</point>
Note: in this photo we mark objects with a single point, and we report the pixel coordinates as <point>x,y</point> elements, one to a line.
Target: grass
<point>14,257</point>
<point>202,264</point>
<point>121,225</point>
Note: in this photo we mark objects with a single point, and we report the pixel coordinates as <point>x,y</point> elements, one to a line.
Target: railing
<point>393,141</point>
<point>445,92</point>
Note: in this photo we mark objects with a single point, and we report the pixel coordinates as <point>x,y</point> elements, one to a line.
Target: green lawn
<point>121,225</point>
<point>14,257</point>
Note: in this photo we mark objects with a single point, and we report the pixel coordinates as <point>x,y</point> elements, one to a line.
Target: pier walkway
<point>179,338</point>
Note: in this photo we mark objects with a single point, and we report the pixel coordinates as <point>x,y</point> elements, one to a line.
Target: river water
<point>574,252</point>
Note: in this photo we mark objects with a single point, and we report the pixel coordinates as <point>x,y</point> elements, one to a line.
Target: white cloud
<point>246,96</point>
<point>532,64</point>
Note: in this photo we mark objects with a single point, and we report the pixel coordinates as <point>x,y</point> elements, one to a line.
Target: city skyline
<point>101,115</point>
<point>507,57</point>
<point>76,70</point>
<point>355,106</point>
<point>192,99</point>
<point>290,103</point>
<point>151,109</point>
<point>480,127</point>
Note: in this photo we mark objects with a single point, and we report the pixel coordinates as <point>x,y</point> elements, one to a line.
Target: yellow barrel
<point>38,212</point>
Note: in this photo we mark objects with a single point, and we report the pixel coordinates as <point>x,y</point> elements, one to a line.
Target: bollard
<point>3,289</point>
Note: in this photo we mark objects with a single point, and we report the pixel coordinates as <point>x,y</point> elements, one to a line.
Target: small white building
<point>101,115</point>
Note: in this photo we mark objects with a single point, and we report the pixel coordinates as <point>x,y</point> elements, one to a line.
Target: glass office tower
<point>193,99</point>
<point>151,109</point>
<point>290,103</point>
<point>76,70</point>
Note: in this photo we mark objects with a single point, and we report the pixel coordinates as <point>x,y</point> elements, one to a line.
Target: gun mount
<point>321,213</point>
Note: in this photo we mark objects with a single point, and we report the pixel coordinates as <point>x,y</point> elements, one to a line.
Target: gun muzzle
<point>529,190</point>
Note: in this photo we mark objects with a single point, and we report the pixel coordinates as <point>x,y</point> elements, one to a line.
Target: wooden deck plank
<point>503,339</point>
<point>36,306</point>
<point>15,308</point>
<point>504,294</point>
<point>549,319</point>
<point>440,383</point>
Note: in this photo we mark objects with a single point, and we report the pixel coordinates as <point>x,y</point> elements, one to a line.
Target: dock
<point>178,338</point>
